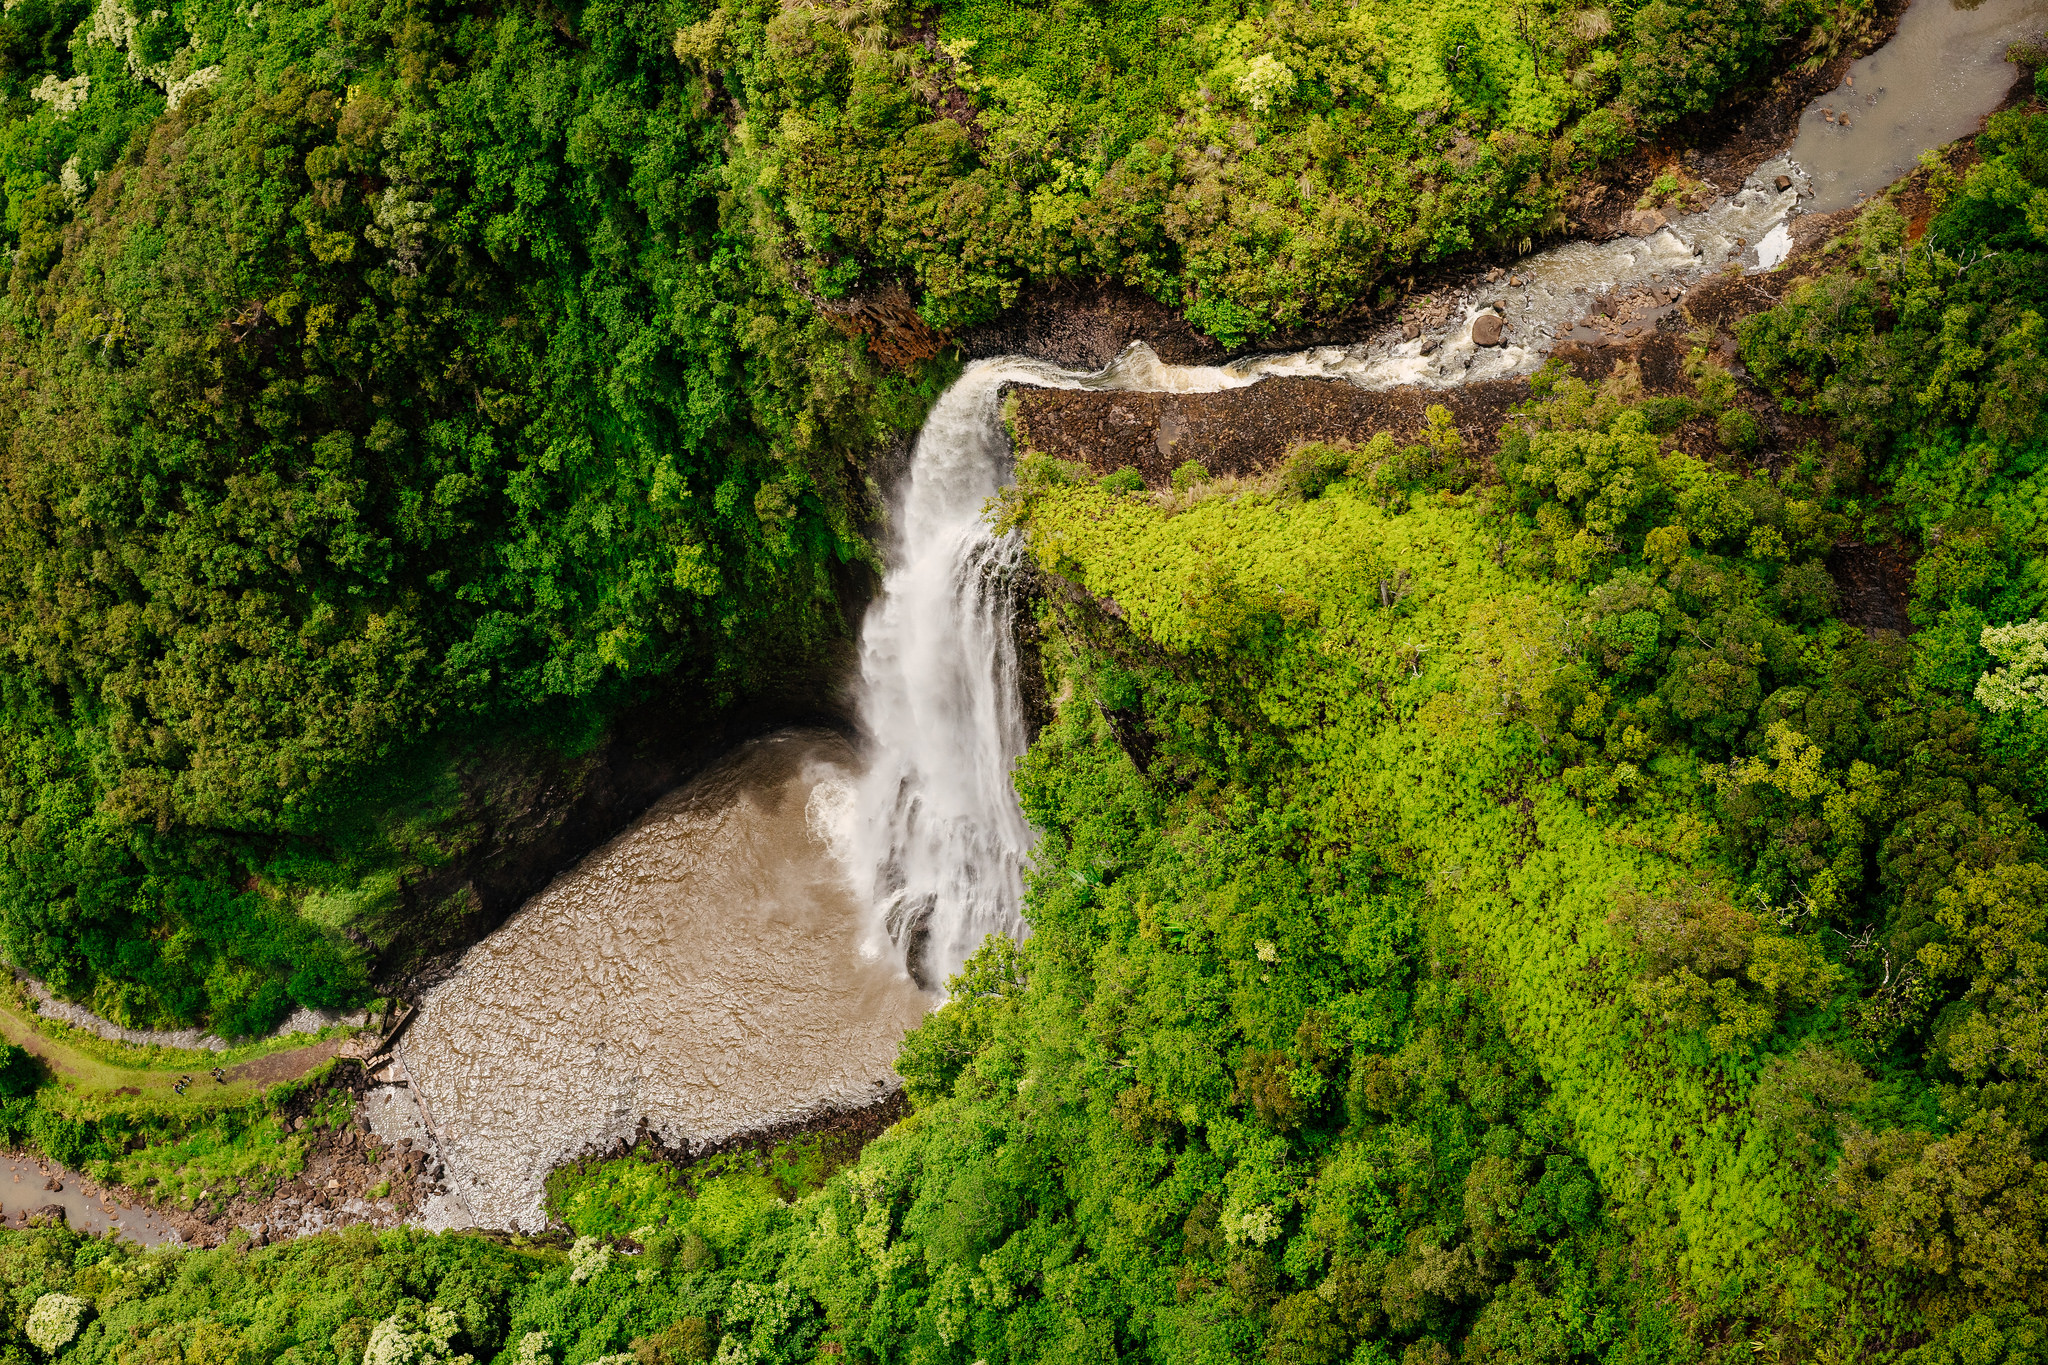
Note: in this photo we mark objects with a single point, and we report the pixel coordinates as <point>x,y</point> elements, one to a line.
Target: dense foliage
<point>1752,897</point>
<point>1257,167</point>
<point>1506,912</point>
<point>377,378</point>
<point>1503,915</point>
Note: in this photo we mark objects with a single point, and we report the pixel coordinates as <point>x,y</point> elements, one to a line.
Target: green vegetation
<point>364,405</point>
<point>1495,835</point>
<point>1515,911</point>
<point>108,1064</point>
<point>332,1298</point>
<point>1256,167</point>
<point>182,1151</point>
<point>127,1116</point>
<point>1535,927</point>
<point>617,1198</point>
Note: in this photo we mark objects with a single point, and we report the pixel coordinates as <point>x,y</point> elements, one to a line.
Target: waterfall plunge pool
<point>703,971</point>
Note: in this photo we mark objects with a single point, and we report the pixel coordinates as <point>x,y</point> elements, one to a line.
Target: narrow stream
<point>25,1193</point>
<point>752,950</point>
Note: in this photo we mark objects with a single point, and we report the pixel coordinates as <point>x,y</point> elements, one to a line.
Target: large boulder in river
<point>1487,330</point>
<point>1643,222</point>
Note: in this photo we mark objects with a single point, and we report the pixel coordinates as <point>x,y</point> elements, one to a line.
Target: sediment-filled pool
<point>707,970</point>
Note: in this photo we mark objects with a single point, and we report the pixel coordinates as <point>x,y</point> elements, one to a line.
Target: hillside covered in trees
<point>1493,906</point>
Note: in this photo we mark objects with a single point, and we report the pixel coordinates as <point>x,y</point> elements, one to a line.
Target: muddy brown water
<point>710,970</point>
<point>25,1192</point>
<point>1932,83</point>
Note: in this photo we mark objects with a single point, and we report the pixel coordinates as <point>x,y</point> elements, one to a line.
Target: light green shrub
<point>54,1322</point>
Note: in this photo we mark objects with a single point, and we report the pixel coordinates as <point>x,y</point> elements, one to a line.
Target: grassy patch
<point>114,1109</point>
<point>617,1197</point>
<point>212,1162</point>
<point>84,1061</point>
<point>116,1057</point>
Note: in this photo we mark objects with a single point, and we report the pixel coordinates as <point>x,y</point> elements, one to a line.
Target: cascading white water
<point>939,830</point>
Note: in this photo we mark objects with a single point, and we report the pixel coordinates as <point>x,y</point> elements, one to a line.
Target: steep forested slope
<point>405,380</point>
<point>1368,767</point>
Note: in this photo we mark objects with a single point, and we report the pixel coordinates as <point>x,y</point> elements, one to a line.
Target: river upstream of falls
<point>751,950</point>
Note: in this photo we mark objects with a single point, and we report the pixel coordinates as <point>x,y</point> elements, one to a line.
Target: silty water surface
<point>1932,83</point>
<point>701,971</point>
<point>23,1179</point>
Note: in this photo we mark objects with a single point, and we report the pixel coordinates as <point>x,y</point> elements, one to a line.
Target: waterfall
<point>940,831</point>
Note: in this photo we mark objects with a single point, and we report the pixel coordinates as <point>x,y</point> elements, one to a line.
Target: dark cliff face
<point>1244,432</point>
<point>1085,326</point>
<point>530,810</point>
<point>1028,636</point>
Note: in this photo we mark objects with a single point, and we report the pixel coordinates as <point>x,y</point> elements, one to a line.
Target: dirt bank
<point>1245,431</point>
